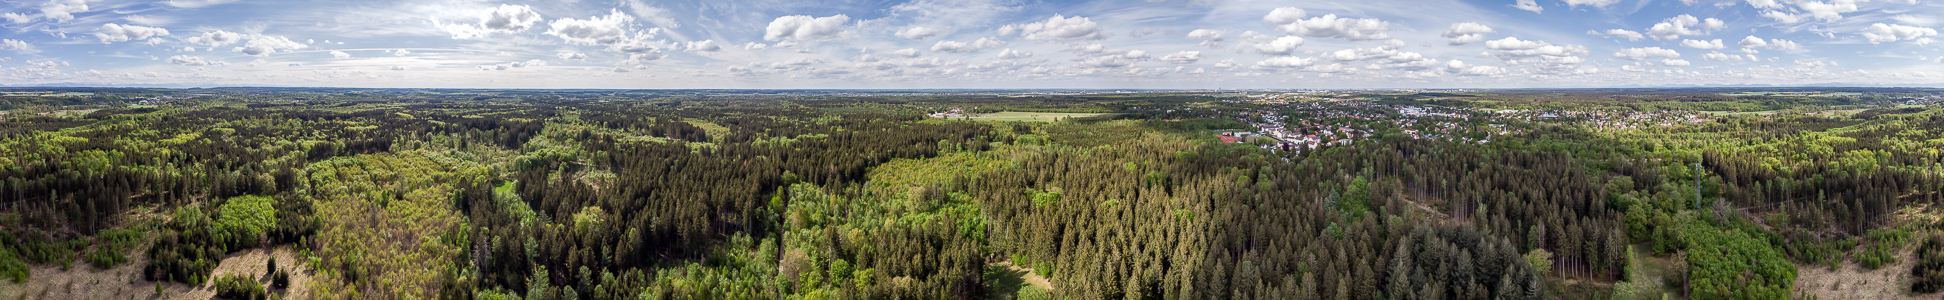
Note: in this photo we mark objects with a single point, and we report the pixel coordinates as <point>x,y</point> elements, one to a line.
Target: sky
<point>898,44</point>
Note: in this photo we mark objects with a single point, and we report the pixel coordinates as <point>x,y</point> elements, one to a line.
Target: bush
<point>1927,276</point>
<point>11,267</point>
<point>239,287</point>
<point>280,280</point>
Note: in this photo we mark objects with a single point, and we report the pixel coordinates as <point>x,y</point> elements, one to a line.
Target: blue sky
<point>971,43</point>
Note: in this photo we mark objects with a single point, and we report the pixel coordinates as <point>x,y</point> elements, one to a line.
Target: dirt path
<point>1029,277</point>
<point>125,282</point>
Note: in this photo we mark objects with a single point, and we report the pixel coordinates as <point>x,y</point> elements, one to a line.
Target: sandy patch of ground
<point>1851,281</point>
<point>1029,277</point>
<point>125,281</point>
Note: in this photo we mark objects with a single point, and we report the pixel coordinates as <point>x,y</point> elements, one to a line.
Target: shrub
<point>239,287</point>
<point>1927,276</point>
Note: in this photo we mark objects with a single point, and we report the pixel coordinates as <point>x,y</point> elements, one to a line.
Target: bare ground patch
<point>1851,281</point>
<point>125,281</point>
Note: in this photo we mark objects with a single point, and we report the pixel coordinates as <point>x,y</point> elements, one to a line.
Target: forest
<point>607,194</point>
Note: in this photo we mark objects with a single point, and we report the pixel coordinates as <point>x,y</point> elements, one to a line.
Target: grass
<point>1033,116</point>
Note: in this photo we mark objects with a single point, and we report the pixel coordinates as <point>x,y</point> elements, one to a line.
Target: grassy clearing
<point>1033,116</point>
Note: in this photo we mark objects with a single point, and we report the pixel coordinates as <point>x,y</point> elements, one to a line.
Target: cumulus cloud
<point>1056,28</point>
<point>802,27</point>
<point>1783,44</point>
<point>216,38</point>
<point>1644,53</point>
<point>263,45</point>
<point>1466,33</point>
<point>702,46</point>
<point>63,10</point>
<point>401,52</point>
<point>17,18</point>
<point>1675,27</point>
<point>1281,46</point>
<point>1328,26</point>
<point>1718,56</point>
<point>1530,5</point>
<point>398,68</point>
<point>919,32</point>
<point>191,61</point>
<point>1208,37</point>
<point>1545,56</point>
<point>1705,45</point>
<point>571,55</point>
<point>599,30</point>
<point>503,19</point>
<point>1671,62</point>
<point>16,45</point>
<point>1884,33</point>
<point>114,33</point>
<point>1182,58</point>
<point>340,54</point>
<point>1783,17</point>
<point>1827,11</point>
<point>1752,42</point>
<point>906,52</point>
<point>967,47</point>
<point>1010,54</point>
<point>1630,35</point>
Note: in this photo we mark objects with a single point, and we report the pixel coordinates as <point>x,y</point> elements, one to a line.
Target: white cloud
<point>1545,56</point>
<point>1674,62</point>
<point>1594,3</point>
<point>755,46</point>
<point>1284,15</point>
<point>1530,5</point>
<point>263,45</point>
<point>529,63</point>
<point>1056,28</point>
<point>1705,45</point>
<point>1329,26</point>
<point>802,27</point>
<point>1208,37</point>
<point>192,61</point>
<point>1720,56</point>
<point>1630,35</point>
<point>216,38</point>
<point>1678,26</point>
<point>1286,62</point>
<point>571,55</point>
<point>1466,33</point>
<point>1783,17</point>
<point>401,52</point>
<point>1827,11</point>
<point>1765,3</point>
<point>16,45</point>
<point>1281,46</point>
<point>964,47</point>
<point>340,54</point>
<point>702,46</point>
<point>599,30</point>
<point>1010,54</point>
<point>1752,42</point>
<point>1884,33</point>
<point>63,10</point>
<point>919,32</point>
<point>196,3</point>
<point>1783,44</point>
<point>114,33</point>
<point>1482,71</point>
<point>1182,58</point>
<point>906,52</point>
<point>398,68</point>
<point>1644,53</point>
<point>17,18</point>
<point>503,19</point>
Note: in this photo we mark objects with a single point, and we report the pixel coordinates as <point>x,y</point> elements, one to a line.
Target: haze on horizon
<point>970,43</point>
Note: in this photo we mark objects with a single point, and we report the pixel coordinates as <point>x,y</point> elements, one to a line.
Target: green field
<point>1033,116</point>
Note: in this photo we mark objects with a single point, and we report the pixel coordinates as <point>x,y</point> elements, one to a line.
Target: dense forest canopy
<point>808,194</point>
